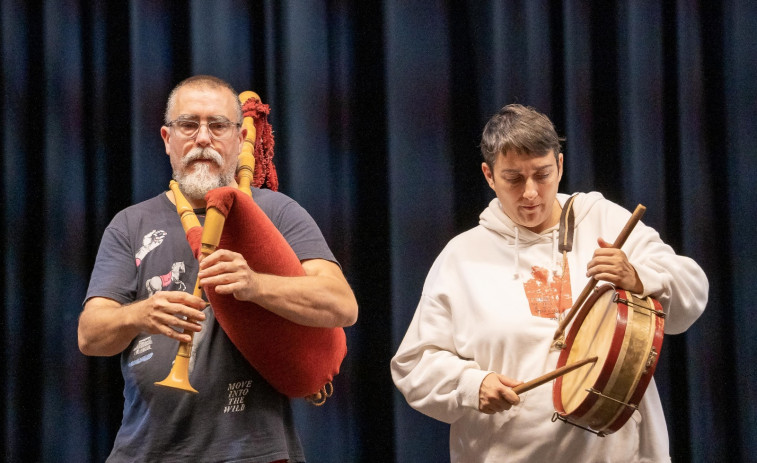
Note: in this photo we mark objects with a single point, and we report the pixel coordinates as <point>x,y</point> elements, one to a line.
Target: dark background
<point>377,109</point>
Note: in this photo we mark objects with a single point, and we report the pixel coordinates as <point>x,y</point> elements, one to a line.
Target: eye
<point>514,180</point>
<point>187,126</point>
<point>219,128</point>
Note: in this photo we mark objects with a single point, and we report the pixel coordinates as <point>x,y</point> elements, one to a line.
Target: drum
<point>625,333</point>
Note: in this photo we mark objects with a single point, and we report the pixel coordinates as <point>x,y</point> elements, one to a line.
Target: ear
<point>242,136</point>
<point>487,174</point>
<point>559,167</point>
<point>165,134</point>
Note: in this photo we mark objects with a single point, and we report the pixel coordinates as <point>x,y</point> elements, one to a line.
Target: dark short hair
<point>201,81</point>
<point>520,129</point>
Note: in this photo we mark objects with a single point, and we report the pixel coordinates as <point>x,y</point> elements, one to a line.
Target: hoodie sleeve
<point>434,379</point>
<point>676,281</point>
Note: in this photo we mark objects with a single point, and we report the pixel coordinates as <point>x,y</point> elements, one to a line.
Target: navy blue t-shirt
<point>236,416</point>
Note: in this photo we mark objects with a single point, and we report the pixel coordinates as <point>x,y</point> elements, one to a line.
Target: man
<point>236,415</point>
<point>496,294</point>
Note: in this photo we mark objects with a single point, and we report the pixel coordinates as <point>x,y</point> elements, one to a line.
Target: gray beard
<point>197,183</point>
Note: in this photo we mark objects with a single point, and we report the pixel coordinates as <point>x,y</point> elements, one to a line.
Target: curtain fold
<point>377,110</point>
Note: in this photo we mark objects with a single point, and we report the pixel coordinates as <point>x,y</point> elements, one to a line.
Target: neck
<point>195,203</point>
<point>556,212</point>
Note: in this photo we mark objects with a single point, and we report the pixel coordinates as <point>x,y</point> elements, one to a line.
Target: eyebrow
<point>516,171</point>
<point>195,117</point>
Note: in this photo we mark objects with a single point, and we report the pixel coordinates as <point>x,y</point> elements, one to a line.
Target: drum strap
<point>567,223</point>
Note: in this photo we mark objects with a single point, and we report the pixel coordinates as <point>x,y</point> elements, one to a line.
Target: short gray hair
<point>520,129</point>
<point>201,81</point>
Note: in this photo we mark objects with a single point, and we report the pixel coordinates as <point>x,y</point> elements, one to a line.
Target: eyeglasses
<point>218,130</point>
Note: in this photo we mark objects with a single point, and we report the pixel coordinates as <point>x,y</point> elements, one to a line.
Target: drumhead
<point>593,338</point>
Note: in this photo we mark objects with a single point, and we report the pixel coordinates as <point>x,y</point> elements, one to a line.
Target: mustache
<point>197,154</point>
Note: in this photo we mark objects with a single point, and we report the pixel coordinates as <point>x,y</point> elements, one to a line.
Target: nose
<point>203,136</point>
<point>530,192</point>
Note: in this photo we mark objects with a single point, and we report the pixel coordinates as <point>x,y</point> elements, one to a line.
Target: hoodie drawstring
<point>554,268</point>
<point>517,256</point>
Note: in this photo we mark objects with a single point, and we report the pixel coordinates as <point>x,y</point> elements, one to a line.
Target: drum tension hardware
<point>651,360</point>
<point>556,416</point>
<point>591,390</point>
<point>616,298</point>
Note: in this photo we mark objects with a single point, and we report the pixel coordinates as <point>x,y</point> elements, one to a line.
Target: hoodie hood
<point>493,218</point>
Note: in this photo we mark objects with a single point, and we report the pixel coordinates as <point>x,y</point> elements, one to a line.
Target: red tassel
<point>264,175</point>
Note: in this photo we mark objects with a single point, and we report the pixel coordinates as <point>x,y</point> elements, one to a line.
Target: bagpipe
<point>609,355</point>
<point>298,361</point>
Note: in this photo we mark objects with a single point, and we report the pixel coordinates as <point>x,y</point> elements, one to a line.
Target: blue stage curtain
<point>377,109</point>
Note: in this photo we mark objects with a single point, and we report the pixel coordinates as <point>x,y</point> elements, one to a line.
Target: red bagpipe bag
<point>297,360</point>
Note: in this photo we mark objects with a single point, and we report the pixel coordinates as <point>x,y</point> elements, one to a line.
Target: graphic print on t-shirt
<point>547,292</point>
<point>237,394</point>
<point>149,242</point>
<point>142,351</point>
<point>158,282</point>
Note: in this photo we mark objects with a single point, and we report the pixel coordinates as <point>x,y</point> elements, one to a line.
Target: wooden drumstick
<point>632,221</point>
<point>552,375</point>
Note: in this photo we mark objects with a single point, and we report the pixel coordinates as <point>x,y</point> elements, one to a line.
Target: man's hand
<point>496,394</point>
<point>321,297</point>
<point>230,273</point>
<point>107,328</point>
<point>611,265</point>
<point>167,313</point>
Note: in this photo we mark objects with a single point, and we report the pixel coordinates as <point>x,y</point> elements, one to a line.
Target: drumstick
<point>632,221</point>
<point>552,375</point>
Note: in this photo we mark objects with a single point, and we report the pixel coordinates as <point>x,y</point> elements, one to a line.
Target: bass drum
<point>625,333</point>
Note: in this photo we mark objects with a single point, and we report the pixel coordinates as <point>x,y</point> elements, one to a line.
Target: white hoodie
<point>474,318</point>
